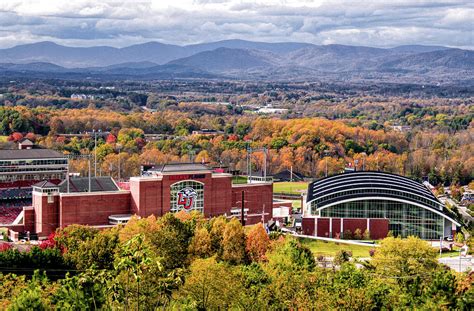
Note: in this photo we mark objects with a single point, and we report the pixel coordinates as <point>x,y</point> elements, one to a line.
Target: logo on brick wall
<point>186,198</point>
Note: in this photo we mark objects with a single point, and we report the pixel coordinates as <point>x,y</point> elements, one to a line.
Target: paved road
<point>459,264</point>
<point>462,209</point>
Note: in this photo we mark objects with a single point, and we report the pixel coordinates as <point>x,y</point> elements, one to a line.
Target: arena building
<point>374,201</point>
<point>171,188</point>
<point>20,169</point>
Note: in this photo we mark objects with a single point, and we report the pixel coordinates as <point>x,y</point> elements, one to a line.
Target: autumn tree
<point>218,226</point>
<point>201,244</point>
<point>257,243</point>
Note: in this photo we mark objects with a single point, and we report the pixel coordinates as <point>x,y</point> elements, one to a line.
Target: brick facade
<point>92,209</point>
<point>335,227</point>
<point>258,200</point>
<point>147,196</point>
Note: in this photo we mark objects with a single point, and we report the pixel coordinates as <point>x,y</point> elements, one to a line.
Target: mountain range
<point>239,59</point>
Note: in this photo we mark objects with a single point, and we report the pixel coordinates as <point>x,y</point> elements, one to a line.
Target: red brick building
<point>164,189</point>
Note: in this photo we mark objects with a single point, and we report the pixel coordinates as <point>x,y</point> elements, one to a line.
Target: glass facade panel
<point>178,202</point>
<point>404,219</point>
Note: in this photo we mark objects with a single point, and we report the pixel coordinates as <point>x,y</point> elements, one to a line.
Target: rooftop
<point>81,184</point>
<point>180,167</point>
<point>45,184</point>
<point>24,154</point>
<point>369,183</point>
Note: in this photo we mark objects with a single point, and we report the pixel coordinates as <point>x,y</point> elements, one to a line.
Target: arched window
<point>187,195</point>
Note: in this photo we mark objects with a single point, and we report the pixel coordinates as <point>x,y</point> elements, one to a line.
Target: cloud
<point>120,23</point>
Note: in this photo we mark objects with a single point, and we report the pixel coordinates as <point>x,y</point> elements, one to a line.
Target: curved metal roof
<point>369,183</point>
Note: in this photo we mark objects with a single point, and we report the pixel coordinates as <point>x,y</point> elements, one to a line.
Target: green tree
<point>171,241</point>
<point>86,291</point>
<point>289,255</point>
<point>29,299</point>
<point>212,286</point>
<point>218,226</point>
<point>99,251</point>
<point>405,260</point>
<point>104,150</point>
<point>440,292</point>
<point>233,243</point>
<point>70,240</point>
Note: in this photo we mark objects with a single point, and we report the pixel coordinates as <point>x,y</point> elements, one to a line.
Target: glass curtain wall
<point>404,219</point>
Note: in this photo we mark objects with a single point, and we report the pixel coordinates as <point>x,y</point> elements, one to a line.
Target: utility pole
<point>89,164</point>
<point>80,156</point>
<point>242,219</point>
<point>95,152</point>
<point>326,153</point>
<point>265,163</point>
<point>326,173</point>
<point>249,171</point>
<point>67,177</point>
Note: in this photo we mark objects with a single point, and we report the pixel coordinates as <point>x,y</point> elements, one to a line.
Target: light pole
<point>119,147</point>
<point>364,155</point>
<point>326,153</point>
<point>95,150</point>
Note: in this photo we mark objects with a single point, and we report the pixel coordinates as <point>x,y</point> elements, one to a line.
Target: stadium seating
<point>15,194</point>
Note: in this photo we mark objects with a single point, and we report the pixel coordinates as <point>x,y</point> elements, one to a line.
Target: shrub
<point>5,246</point>
<point>358,234</point>
<point>347,235</point>
<point>366,235</point>
<point>275,235</point>
<point>459,237</point>
<point>342,256</point>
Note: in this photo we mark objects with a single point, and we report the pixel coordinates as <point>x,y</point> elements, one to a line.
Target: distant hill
<point>99,56</point>
<point>225,59</point>
<point>244,60</point>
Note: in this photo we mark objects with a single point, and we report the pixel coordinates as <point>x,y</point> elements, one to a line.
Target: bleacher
<point>15,194</point>
<point>9,210</point>
<point>9,214</point>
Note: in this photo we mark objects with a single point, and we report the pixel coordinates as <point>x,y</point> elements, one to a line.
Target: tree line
<point>182,261</point>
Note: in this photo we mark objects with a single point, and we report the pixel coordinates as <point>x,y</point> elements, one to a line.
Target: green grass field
<point>290,187</point>
<point>330,248</point>
<point>239,179</point>
<point>3,139</point>
<point>296,204</point>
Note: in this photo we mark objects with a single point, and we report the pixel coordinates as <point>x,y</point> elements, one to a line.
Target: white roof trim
<point>362,188</point>
<point>390,199</point>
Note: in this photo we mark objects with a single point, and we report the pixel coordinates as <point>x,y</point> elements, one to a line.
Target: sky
<point>379,23</point>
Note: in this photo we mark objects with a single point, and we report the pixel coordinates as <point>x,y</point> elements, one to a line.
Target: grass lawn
<point>3,139</point>
<point>330,248</point>
<point>290,187</point>
<point>239,179</point>
<point>296,204</point>
<point>453,253</point>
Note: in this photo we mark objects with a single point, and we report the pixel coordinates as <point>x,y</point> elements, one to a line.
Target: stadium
<point>20,169</point>
<point>377,202</point>
<point>101,202</point>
